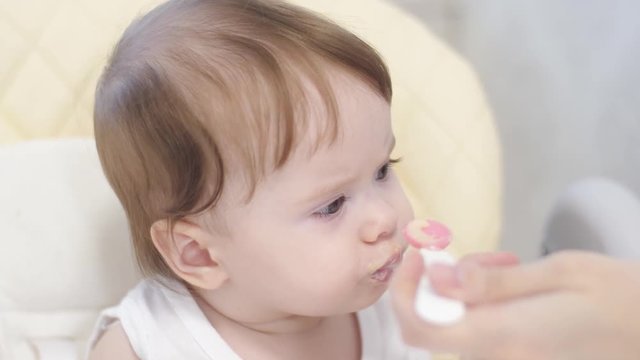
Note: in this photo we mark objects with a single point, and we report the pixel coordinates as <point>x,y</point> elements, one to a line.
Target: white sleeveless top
<point>166,323</point>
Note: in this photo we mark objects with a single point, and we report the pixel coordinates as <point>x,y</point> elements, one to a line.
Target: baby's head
<point>249,143</point>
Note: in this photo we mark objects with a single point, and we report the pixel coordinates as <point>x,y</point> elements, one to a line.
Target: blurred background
<point>563,79</point>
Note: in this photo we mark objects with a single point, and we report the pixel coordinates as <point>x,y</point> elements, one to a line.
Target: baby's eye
<point>383,172</point>
<point>332,208</point>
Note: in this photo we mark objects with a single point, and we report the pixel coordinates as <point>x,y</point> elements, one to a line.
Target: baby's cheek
<point>328,281</point>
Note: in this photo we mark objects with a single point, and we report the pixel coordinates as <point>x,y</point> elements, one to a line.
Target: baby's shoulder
<point>115,326</point>
<point>113,344</point>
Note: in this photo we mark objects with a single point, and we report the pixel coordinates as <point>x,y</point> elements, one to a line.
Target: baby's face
<point>322,235</point>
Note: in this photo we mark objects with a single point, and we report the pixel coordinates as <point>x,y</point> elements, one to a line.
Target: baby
<point>249,143</point>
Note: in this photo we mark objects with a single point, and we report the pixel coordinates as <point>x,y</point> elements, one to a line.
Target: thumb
<point>408,274</point>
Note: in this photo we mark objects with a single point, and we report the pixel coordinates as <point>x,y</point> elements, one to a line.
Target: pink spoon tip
<point>429,234</point>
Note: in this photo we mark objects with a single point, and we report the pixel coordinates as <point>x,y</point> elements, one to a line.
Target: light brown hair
<point>197,85</point>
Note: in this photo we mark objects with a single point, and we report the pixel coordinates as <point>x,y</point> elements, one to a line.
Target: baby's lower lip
<point>382,275</point>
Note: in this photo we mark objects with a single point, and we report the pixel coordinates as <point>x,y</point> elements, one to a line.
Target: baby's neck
<point>278,324</point>
<point>298,336</point>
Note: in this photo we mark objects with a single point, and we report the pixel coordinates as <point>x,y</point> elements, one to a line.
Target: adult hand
<point>570,305</point>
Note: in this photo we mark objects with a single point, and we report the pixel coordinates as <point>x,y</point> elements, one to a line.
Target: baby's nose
<point>381,222</point>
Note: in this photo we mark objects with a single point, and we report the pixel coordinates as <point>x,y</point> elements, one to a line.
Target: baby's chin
<point>359,297</point>
<point>358,304</point>
<point>374,294</point>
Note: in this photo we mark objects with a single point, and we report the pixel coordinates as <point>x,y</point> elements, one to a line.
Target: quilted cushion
<point>52,54</point>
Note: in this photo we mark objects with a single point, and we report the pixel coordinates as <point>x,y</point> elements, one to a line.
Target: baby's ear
<point>186,249</point>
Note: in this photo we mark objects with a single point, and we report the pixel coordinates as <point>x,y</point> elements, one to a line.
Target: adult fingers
<point>498,258</point>
<point>446,280</point>
<point>474,283</point>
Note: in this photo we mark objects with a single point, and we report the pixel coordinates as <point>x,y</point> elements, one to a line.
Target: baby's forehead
<point>321,113</point>
<point>326,118</point>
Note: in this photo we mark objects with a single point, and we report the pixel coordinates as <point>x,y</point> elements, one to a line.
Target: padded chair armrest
<point>55,349</point>
<point>596,215</point>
